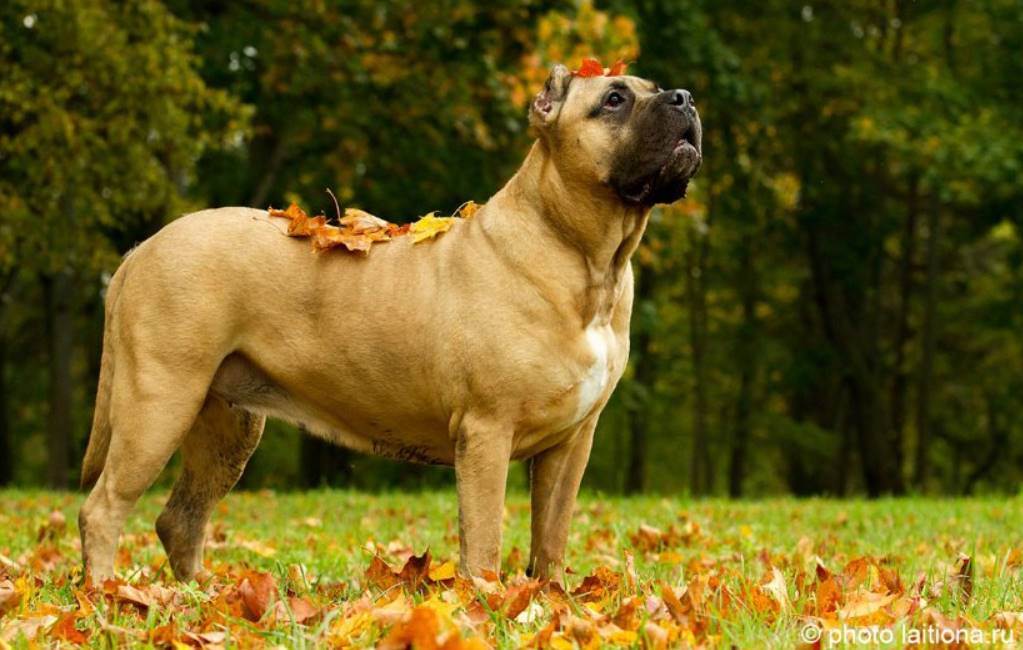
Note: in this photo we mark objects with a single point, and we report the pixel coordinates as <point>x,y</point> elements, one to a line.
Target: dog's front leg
<point>554,478</point>
<point>482,455</point>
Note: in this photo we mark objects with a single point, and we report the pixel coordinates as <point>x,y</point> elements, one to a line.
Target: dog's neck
<point>540,213</point>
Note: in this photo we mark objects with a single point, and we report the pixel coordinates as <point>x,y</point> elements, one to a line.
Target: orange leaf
<point>419,632</point>
<point>327,237</point>
<point>468,210</point>
<point>64,629</point>
<point>618,68</point>
<point>601,582</point>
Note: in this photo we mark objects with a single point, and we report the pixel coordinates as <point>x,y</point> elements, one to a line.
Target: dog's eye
<point>614,100</point>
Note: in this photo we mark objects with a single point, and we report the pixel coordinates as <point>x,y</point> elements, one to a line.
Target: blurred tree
<point>99,129</point>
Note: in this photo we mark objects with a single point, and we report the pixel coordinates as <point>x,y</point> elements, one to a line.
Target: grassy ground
<point>317,547</point>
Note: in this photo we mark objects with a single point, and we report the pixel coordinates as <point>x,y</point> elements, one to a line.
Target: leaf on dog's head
<point>590,68</point>
<point>617,69</point>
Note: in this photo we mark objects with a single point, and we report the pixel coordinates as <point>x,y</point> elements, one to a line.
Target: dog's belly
<point>244,385</point>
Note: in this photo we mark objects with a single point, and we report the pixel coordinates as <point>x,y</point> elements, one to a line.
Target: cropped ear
<point>547,103</point>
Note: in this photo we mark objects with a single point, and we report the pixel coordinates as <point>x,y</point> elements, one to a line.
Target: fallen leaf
<point>133,595</point>
<point>9,597</point>
<point>776,588</point>
<point>963,579</point>
<point>445,571</point>
<point>27,627</point>
<point>257,590</point>
<point>518,597</point>
<point>64,630</point>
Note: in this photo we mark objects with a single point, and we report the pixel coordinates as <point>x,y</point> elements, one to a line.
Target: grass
<point>333,535</point>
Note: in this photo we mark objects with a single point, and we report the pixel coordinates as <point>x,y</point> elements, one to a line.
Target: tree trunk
<point>900,382</point>
<point>746,357</point>
<point>928,341</point>
<point>325,464</point>
<point>6,448</point>
<point>59,334</point>
<point>880,472</point>
<point>699,470</point>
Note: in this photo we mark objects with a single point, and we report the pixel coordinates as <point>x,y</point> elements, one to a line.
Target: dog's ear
<point>547,103</point>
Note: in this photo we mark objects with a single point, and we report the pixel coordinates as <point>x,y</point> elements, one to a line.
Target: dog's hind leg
<point>214,455</point>
<point>149,416</point>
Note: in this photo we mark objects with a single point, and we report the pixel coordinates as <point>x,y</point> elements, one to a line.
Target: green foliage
<point>102,117</point>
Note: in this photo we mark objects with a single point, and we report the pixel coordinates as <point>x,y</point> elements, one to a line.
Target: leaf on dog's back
<point>358,230</point>
<point>360,221</point>
<point>429,227</point>
<point>329,237</point>
<point>468,210</point>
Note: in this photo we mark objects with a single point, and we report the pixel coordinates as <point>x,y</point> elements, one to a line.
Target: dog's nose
<point>680,98</point>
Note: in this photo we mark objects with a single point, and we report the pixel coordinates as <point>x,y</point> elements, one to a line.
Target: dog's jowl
<point>504,337</point>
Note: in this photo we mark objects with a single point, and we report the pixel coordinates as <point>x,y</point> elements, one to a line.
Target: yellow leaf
<point>430,226</point>
<point>444,571</point>
<point>559,642</point>
<point>443,608</point>
<point>623,637</point>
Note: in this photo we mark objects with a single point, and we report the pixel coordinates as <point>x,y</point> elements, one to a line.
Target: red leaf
<point>590,68</point>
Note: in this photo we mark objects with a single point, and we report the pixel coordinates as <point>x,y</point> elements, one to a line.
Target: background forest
<point>834,310</point>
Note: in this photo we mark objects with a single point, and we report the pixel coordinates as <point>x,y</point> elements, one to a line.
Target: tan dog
<point>501,340</point>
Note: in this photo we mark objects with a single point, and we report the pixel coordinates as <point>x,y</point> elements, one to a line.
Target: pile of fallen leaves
<point>357,230</point>
<point>403,599</point>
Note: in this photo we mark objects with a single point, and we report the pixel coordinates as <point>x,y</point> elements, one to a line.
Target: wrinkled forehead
<point>591,89</point>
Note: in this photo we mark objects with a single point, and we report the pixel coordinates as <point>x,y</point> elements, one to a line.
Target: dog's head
<point>622,132</point>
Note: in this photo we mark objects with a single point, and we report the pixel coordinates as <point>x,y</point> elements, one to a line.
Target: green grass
<point>330,534</point>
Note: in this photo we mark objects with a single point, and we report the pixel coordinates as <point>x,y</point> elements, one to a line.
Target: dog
<point>501,340</point>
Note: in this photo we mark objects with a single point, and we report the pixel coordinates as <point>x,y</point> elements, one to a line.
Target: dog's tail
<point>99,438</point>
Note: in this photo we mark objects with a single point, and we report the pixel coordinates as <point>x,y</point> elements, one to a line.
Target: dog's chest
<point>601,344</point>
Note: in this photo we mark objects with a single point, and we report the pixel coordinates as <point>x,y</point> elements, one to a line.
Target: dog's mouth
<point>690,139</point>
<point>682,164</point>
<point>668,181</point>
